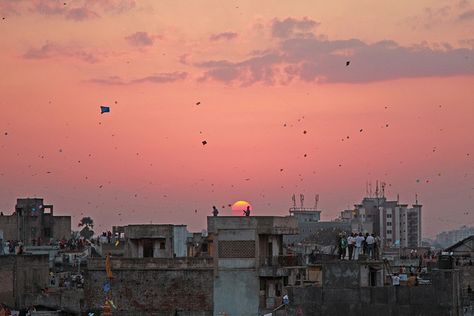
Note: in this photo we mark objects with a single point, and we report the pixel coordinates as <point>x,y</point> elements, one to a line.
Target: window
<point>389,232</point>
<point>263,285</point>
<point>389,223</point>
<point>162,245</point>
<point>389,215</point>
<point>204,247</point>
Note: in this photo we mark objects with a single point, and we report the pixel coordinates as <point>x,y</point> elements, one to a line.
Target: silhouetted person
<point>247,212</point>
<point>215,211</point>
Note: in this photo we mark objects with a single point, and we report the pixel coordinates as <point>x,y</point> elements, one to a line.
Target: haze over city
<point>213,102</point>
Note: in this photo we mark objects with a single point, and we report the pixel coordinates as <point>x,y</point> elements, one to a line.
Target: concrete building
<point>22,276</point>
<point>151,286</point>
<point>34,222</point>
<point>396,224</point>
<point>344,293</point>
<point>155,241</point>
<point>250,266</point>
<point>307,220</point>
<point>199,245</point>
<point>463,255</point>
<point>446,239</point>
<point>463,249</point>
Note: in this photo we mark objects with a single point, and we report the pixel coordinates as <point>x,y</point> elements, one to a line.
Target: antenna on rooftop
<point>383,184</point>
<point>416,199</point>
<point>316,200</point>
<point>302,200</point>
<point>370,189</point>
<point>377,189</point>
<point>293,198</point>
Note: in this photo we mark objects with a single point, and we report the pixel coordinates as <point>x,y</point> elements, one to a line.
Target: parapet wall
<point>440,298</point>
<point>152,286</point>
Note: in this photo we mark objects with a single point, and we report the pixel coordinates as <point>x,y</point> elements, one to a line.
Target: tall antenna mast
<point>293,198</point>
<point>302,200</point>
<point>316,200</point>
<point>416,199</point>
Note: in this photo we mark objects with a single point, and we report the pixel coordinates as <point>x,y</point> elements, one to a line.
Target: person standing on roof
<point>215,211</point>
<point>358,245</point>
<point>247,212</point>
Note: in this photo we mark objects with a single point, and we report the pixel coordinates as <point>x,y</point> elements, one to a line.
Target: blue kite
<point>106,287</point>
<point>104,109</point>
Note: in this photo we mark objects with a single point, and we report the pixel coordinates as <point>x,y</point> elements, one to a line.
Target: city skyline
<point>213,103</point>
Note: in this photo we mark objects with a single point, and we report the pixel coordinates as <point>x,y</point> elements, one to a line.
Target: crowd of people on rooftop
<point>355,244</point>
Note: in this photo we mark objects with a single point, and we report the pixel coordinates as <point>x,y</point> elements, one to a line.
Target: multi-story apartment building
<point>396,224</point>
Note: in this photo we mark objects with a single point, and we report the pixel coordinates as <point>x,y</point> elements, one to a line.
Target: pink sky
<point>254,66</point>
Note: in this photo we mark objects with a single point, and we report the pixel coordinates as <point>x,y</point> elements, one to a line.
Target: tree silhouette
<point>87,223</point>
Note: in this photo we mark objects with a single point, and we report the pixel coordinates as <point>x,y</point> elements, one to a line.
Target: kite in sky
<point>104,109</point>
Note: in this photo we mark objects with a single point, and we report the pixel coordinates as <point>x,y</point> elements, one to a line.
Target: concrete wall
<point>236,293</point>
<point>148,231</point>
<point>441,298</point>
<point>307,229</point>
<point>270,225</point>
<point>7,280</point>
<point>22,275</point>
<point>8,224</point>
<point>180,238</point>
<point>61,227</point>
<point>467,276</point>
<point>66,300</point>
<point>152,286</point>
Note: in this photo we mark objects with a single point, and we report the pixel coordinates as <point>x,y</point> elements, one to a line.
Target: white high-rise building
<point>396,224</point>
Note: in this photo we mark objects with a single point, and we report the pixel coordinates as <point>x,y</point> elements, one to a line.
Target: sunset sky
<point>279,109</point>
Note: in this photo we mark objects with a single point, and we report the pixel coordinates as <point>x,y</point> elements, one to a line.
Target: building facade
<point>397,224</point>
<point>250,266</point>
<point>446,239</point>
<point>155,241</point>
<point>34,223</point>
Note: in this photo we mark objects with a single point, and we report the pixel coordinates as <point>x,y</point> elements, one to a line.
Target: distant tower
<point>316,200</point>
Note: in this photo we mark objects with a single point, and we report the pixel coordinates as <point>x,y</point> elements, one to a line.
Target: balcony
<point>277,266</point>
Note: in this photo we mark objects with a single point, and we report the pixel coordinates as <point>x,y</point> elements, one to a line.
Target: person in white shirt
<point>358,245</point>
<point>395,280</point>
<point>351,245</point>
<point>370,240</point>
